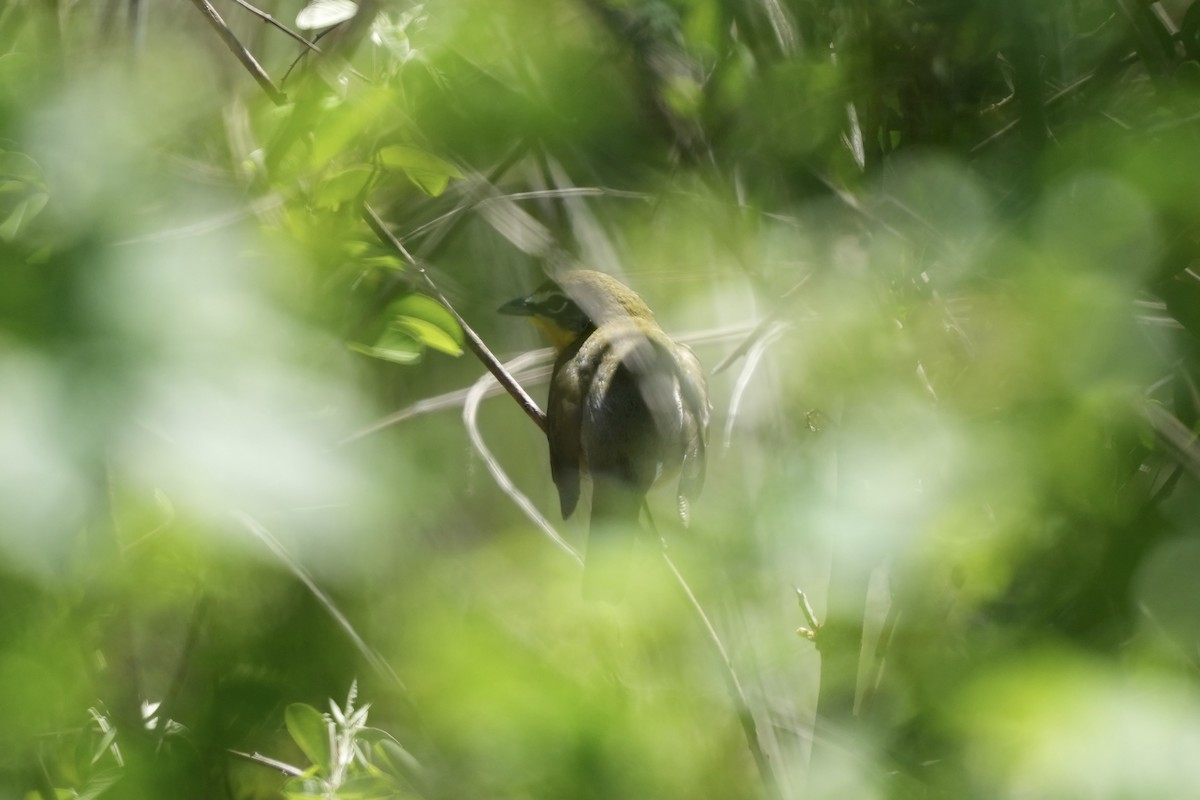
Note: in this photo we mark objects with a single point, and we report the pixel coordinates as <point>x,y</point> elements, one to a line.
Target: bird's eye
<point>556,305</point>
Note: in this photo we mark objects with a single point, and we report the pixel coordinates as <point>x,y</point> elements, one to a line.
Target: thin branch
<point>1053,99</point>
<point>483,184</point>
<point>761,329</point>
<point>258,758</point>
<point>372,656</point>
<point>243,55</point>
<point>743,382</point>
<point>355,30</point>
<point>887,633</point>
<point>473,191</point>
<point>737,694</point>
<point>476,344</point>
<point>267,18</point>
<point>470,419</point>
<point>183,665</point>
<point>300,56</point>
<point>1177,439</point>
<point>810,616</point>
<point>226,219</point>
<point>454,399</point>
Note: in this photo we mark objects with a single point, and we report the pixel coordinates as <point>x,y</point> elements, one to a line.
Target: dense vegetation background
<point>945,254</point>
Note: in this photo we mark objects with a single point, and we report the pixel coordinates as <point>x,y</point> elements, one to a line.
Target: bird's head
<point>576,303</point>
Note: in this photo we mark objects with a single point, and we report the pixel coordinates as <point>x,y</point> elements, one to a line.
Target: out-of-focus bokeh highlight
<point>944,255</point>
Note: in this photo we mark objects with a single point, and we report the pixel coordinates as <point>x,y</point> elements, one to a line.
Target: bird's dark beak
<point>521,307</point>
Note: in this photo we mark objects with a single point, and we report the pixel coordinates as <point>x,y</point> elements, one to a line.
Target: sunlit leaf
<point>323,13</point>
<point>342,187</point>
<point>430,173</point>
<point>427,321</point>
<point>345,123</point>
<point>430,335</point>
<point>393,345</point>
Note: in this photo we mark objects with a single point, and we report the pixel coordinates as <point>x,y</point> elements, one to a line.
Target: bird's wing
<point>631,415</point>
<point>623,457</point>
<point>564,414</point>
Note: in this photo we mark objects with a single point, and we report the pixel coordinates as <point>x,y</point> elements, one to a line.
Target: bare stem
<point>270,20</point>
<point>470,418</point>
<point>762,328</point>
<point>243,55</point>
<point>738,695</point>
<point>259,758</point>
<point>371,655</point>
<point>476,344</point>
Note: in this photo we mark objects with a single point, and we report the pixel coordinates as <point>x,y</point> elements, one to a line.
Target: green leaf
<point>429,335</point>
<point>341,131</point>
<point>323,13</point>
<point>427,321</point>
<point>393,345</point>
<point>429,173</point>
<point>310,731</point>
<point>342,187</point>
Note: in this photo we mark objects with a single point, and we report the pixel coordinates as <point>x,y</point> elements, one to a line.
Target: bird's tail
<point>614,529</point>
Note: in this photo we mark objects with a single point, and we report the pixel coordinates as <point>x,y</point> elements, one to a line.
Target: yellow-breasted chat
<point>628,407</point>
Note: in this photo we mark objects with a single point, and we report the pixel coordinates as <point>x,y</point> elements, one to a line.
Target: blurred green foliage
<point>950,248</point>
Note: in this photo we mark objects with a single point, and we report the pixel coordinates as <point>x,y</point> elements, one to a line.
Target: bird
<point>628,407</point>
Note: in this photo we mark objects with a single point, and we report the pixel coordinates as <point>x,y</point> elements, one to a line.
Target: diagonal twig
<point>756,353</point>
<point>475,396</point>
<point>243,55</point>
<point>1050,101</point>
<point>267,761</point>
<point>1176,438</point>
<point>270,20</point>
<point>737,693</point>
<point>476,344</point>
<point>762,328</point>
<point>453,399</point>
<point>372,655</point>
